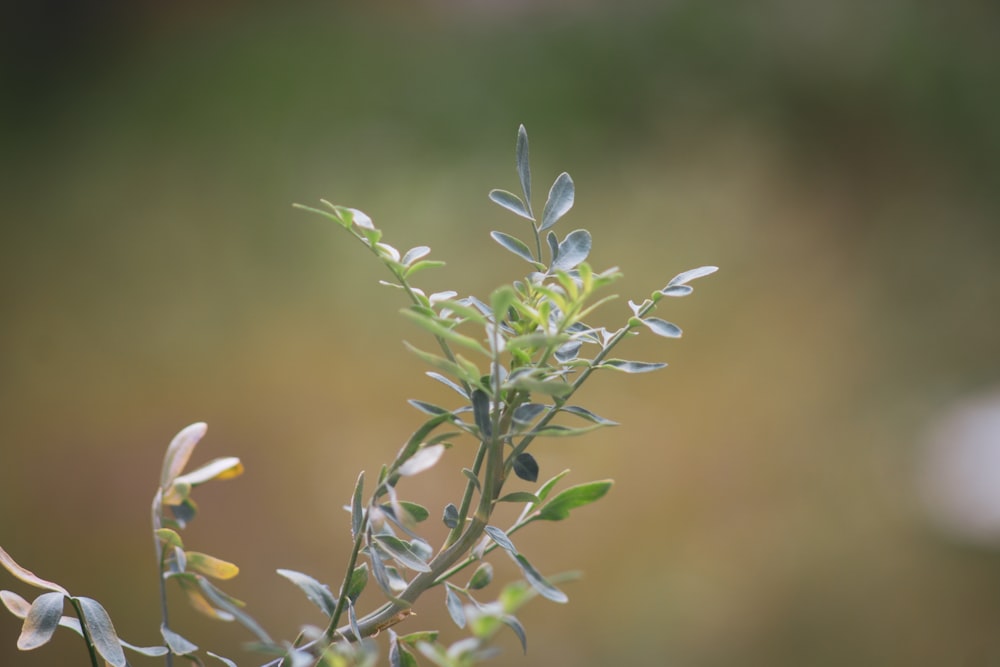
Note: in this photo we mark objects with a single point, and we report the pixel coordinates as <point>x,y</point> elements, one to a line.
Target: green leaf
<point>317,593</point>
<point>102,632</point>
<point>501,300</point>
<point>450,517</point>
<point>471,476</point>
<point>210,565</point>
<point>545,489</point>
<point>326,214</point>
<point>526,467</point>
<point>417,512</point>
<point>41,621</point>
<point>177,644</point>
<point>573,250</point>
<point>662,327</point>
<point>27,576</point>
<point>357,510</point>
<point>169,538</point>
<point>523,166</point>
<point>514,245</point>
<point>511,202</point>
<point>352,616</point>
<point>453,368</point>
<point>556,388</point>
<point>688,276</point>
<point>632,366</point>
<point>455,608</point>
<point>559,431</point>
<point>179,452</point>
<point>560,201</point>
<point>421,265</point>
<point>359,579</point>
<point>481,578</point>
<point>544,587</point>
<point>232,606</point>
<point>559,507</point>
<point>425,459</point>
<point>588,415</point>
<point>151,651</point>
<point>402,553</point>
<point>442,331</point>
<point>519,497</point>
<point>380,573</point>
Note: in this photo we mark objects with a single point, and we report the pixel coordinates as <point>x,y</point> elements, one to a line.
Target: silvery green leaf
<point>632,366</point>
<point>511,202</point>
<point>677,290</point>
<point>559,202</point>
<point>450,517</point>
<point>662,327</point>
<point>102,632</point>
<point>361,219</point>
<point>523,166</point>
<point>413,254</point>
<point>226,661</point>
<point>501,539</point>
<point>386,250</point>
<point>515,625</point>
<point>352,618</point>
<point>316,592</point>
<point>357,511</point>
<point>514,245</point>
<point>568,351</point>
<point>527,412</point>
<point>688,276</point>
<point>437,297</point>
<point>178,645</point>
<point>573,250</point>
<point>635,307</point>
<point>423,460</point>
<point>378,569</point>
<point>402,553</point>
<point>428,408</point>
<point>538,582</point>
<point>448,383</point>
<point>588,415</point>
<point>472,478</point>
<point>454,604</point>
<point>481,412</point>
<point>553,242</point>
<point>41,621</point>
<point>526,467</point>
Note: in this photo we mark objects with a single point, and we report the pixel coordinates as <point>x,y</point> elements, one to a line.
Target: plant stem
<point>94,660</point>
<point>331,629</point>
<point>160,552</point>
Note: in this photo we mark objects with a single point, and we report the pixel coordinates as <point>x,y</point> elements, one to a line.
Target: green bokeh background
<point>839,161</point>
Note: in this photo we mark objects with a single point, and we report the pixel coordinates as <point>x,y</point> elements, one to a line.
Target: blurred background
<point>813,481</point>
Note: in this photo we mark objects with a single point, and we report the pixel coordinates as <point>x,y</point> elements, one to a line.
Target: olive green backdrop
<point>839,161</point>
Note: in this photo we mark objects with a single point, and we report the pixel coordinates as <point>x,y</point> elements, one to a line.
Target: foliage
<point>515,360</point>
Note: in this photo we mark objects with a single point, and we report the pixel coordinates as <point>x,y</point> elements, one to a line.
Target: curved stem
<point>94,659</point>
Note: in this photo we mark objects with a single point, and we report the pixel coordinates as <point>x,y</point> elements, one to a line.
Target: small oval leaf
<point>455,608</point>
<point>662,327</point>
<point>450,517</point>
<point>41,621</point>
<point>317,593</point>
<point>688,276</point>
<point>102,632</point>
<point>514,245</point>
<point>560,201</point>
<point>632,366</point>
<point>511,202</point>
<point>526,467</point>
<point>574,249</point>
